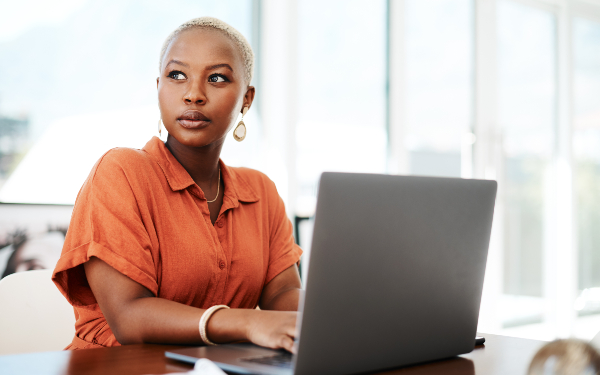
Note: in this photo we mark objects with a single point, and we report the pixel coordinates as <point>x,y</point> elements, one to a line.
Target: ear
<point>157,81</point>
<point>248,97</point>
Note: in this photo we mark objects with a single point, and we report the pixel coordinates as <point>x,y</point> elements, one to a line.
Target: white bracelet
<point>204,322</point>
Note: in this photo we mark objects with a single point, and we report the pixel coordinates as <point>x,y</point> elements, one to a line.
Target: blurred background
<point>494,89</point>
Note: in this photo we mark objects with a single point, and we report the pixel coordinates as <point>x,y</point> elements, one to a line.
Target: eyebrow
<point>212,67</point>
<point>177,62</point>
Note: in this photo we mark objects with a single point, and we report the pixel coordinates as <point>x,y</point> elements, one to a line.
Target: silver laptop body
<point>395,277</point>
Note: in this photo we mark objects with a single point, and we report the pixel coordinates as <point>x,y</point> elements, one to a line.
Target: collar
<point>237,189</point>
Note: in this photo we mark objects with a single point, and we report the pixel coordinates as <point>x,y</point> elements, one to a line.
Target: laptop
<point>394,279</point>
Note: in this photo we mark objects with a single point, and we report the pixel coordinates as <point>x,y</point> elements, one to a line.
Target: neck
<point>202,163</point>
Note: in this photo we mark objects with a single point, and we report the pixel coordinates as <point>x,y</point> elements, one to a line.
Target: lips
<point>193,119</point>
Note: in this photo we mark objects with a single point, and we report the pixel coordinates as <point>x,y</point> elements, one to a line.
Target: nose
<point>194,94</point>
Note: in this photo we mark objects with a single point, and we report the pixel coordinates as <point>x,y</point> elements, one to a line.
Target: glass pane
<point>526,104</point>
<point>342,88</point>
<point>439,84</point>
<point>586,151</point>
<point>77,78</point>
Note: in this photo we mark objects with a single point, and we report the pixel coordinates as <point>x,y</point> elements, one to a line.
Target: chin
<point>194,139</point>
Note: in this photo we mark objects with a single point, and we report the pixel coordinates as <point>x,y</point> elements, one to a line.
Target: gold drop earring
<point>159,127</point>
<point>239,133</point>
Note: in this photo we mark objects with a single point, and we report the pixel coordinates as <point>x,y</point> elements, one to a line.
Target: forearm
<point>157,320</point>
<point>136,316</point>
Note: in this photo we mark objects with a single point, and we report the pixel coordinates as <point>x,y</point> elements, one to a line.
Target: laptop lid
<point>395,276</point>
<point>396,271</point>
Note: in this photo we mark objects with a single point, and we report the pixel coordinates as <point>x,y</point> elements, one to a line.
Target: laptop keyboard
<point>280,360</point>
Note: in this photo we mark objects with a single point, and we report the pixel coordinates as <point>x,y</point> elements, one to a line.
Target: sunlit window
<point>527,108</point>
<point>586,149</point>
<point>78,78</point>
<point>341,96</point>
<point>439,86</point>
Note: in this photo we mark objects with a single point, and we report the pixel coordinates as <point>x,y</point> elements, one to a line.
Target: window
<point>439,87</point>
<point>78,78</point>
<point>527,118</point>
<point>586,150</point>
<point>341,94</point>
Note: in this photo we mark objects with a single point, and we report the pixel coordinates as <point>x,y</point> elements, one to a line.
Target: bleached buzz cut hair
<point>216,24</point>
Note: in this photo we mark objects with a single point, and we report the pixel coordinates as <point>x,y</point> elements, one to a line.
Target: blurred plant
<point>15,238</point>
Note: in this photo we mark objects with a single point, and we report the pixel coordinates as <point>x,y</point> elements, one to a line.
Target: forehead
<point>204,46</point>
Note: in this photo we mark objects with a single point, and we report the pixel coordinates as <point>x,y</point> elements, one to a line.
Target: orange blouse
<point>141,212</point>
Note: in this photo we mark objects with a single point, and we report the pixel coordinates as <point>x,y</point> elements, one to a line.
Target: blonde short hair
<point>215,23</point>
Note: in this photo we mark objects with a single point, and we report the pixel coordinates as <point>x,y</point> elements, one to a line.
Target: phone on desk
<point>479,340</point>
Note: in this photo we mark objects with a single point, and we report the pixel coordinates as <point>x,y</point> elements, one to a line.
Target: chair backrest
<point>34,316</point>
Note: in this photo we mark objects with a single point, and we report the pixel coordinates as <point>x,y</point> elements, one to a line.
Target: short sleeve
<point>283,250</point>
<point>107,223</point>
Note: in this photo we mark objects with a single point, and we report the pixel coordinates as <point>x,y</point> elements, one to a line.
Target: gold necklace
<point>218,185</point>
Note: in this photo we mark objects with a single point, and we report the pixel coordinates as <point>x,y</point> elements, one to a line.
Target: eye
<point>176,75</point>
<point>217,78</point>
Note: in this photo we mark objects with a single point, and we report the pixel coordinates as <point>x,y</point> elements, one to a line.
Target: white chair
<point>34,316</point>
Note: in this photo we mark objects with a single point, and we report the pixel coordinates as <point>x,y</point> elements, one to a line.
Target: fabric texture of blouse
<point>142,213</point>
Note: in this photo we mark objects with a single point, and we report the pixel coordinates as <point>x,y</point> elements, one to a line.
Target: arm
<point>136,316</point>
<point>283,292</point>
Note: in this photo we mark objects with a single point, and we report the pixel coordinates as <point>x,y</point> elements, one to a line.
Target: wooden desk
<point>499,355</point>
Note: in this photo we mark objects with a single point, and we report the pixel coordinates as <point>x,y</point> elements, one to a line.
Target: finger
<point>291,329</point>
<point>287,343</point>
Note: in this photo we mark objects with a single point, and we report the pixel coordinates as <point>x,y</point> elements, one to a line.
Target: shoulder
<point>118,171</point>
<point>124,157</point>
<point>122,161</point>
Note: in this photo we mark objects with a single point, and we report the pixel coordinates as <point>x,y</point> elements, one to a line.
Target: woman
<point>168,244</point>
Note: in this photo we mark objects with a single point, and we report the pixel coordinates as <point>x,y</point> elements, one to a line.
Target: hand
<point>273,329</point>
